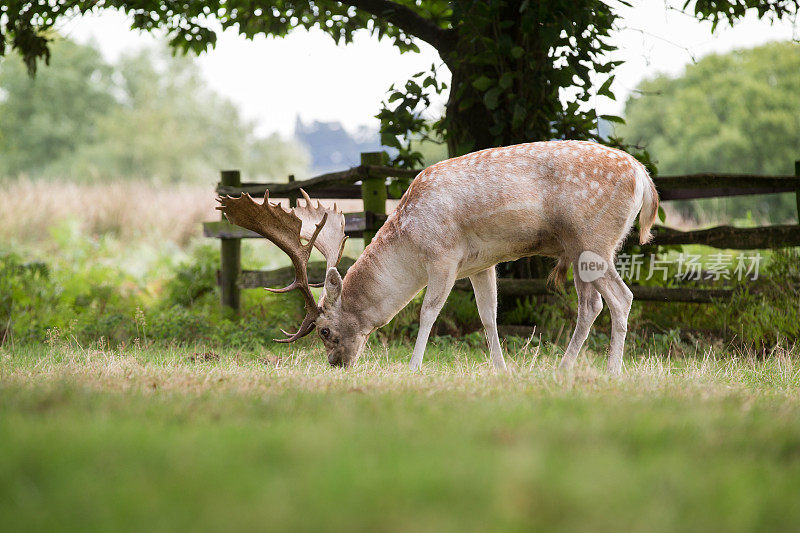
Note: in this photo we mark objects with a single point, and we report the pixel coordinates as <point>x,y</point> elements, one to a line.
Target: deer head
<point>324,229</point>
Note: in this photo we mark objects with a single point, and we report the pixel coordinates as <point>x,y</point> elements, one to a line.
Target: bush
<point>770,312</point>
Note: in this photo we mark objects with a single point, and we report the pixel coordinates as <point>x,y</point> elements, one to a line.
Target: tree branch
<point>409,21</point>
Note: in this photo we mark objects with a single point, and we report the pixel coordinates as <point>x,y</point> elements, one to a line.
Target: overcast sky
<point>308,75</point>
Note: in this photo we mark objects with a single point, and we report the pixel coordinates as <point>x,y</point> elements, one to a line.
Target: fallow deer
<point>458,219</point>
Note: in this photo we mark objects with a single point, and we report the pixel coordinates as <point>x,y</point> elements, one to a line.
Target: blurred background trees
<point>737,112</point>
<point>148,116</point>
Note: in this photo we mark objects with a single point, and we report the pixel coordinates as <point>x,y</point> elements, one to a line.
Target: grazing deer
<point>459,218</point>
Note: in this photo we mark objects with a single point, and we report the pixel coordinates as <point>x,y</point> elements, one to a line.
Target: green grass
<point>95,439</point>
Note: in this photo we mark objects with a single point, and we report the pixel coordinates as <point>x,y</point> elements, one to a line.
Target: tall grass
<point>139,211</point>
<point>127,210</point>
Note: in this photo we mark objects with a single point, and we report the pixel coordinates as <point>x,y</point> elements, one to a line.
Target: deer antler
<point>332,238</point>
<point>283,228</point>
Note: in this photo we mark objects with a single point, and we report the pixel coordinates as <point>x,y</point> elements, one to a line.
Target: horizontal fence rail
<point>707,185</point>
<point>507,288</point>
<point>354,226</point>
<point>341,185</point>
<point>371,182</point>
<point>280,277</point>
<point>336,182</point>
<point>725,237</point>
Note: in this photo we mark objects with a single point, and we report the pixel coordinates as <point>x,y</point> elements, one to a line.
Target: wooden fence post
<point>230,255</point>
<point>373,192</point>
<point>293,195</point>
<point>797,191</point>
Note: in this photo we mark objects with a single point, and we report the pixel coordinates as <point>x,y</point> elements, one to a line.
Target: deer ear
<point>333,285</point>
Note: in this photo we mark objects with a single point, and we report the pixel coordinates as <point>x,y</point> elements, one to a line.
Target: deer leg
<point>619,298</point>
<point>439,285</point>
<point>485,286</point>
<point>589,306</point>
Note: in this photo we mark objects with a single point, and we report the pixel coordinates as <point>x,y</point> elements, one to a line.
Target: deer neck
<point>382,281</point>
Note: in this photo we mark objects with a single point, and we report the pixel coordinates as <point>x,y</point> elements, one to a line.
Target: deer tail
<point>558,275</point>
<point>647,215</point>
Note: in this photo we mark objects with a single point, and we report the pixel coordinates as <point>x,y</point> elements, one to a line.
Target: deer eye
<point>325,332</point>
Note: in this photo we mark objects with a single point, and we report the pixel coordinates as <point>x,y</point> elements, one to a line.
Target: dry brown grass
<point>530,372</point>
<point>128,210</point>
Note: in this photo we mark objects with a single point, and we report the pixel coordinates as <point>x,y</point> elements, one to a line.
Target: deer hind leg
<point>619,298</point>
<point>485,286</point>
<point>589,306</point>
<point>440,282</point>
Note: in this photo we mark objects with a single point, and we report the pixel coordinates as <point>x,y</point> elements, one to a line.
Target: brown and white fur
<point>461,217</point>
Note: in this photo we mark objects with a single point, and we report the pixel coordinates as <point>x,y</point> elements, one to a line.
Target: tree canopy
<point>736,112</point>
<point>148,116</point>
<point>511,61</point>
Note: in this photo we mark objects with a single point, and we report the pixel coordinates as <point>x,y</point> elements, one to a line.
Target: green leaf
<point>492,98</point>
<point>482,83</point>
<point>388,139</point>
<point>605,89</point>
<point>506,80</point>
<point>613,118</point>
<point>662,215</point>
<point>517,52</point>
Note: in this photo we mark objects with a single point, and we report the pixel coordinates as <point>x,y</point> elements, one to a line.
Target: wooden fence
<point>370,182</point>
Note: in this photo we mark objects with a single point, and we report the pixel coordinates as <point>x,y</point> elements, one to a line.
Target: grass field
<point>166,438</point>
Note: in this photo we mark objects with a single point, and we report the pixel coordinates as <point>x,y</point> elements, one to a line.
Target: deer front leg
<point>439,285</point>
<point>485,286</point>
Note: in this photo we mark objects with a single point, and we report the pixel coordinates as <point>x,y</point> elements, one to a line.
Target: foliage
<point>551,314</point>
<point>194,278</point>
<point>45,120</point>
<point>148,116</point>
<point>745,117</point>
<point>510,67</point>
<point>768,312</point>
<point>84,293</point>
<point>521,71</point>
<point>23,290</point>
<point>733,10</point>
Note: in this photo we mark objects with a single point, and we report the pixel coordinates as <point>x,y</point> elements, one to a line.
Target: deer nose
<point>335,361</point>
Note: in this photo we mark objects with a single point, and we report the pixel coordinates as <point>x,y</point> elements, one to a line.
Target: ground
<point>179,438</point>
